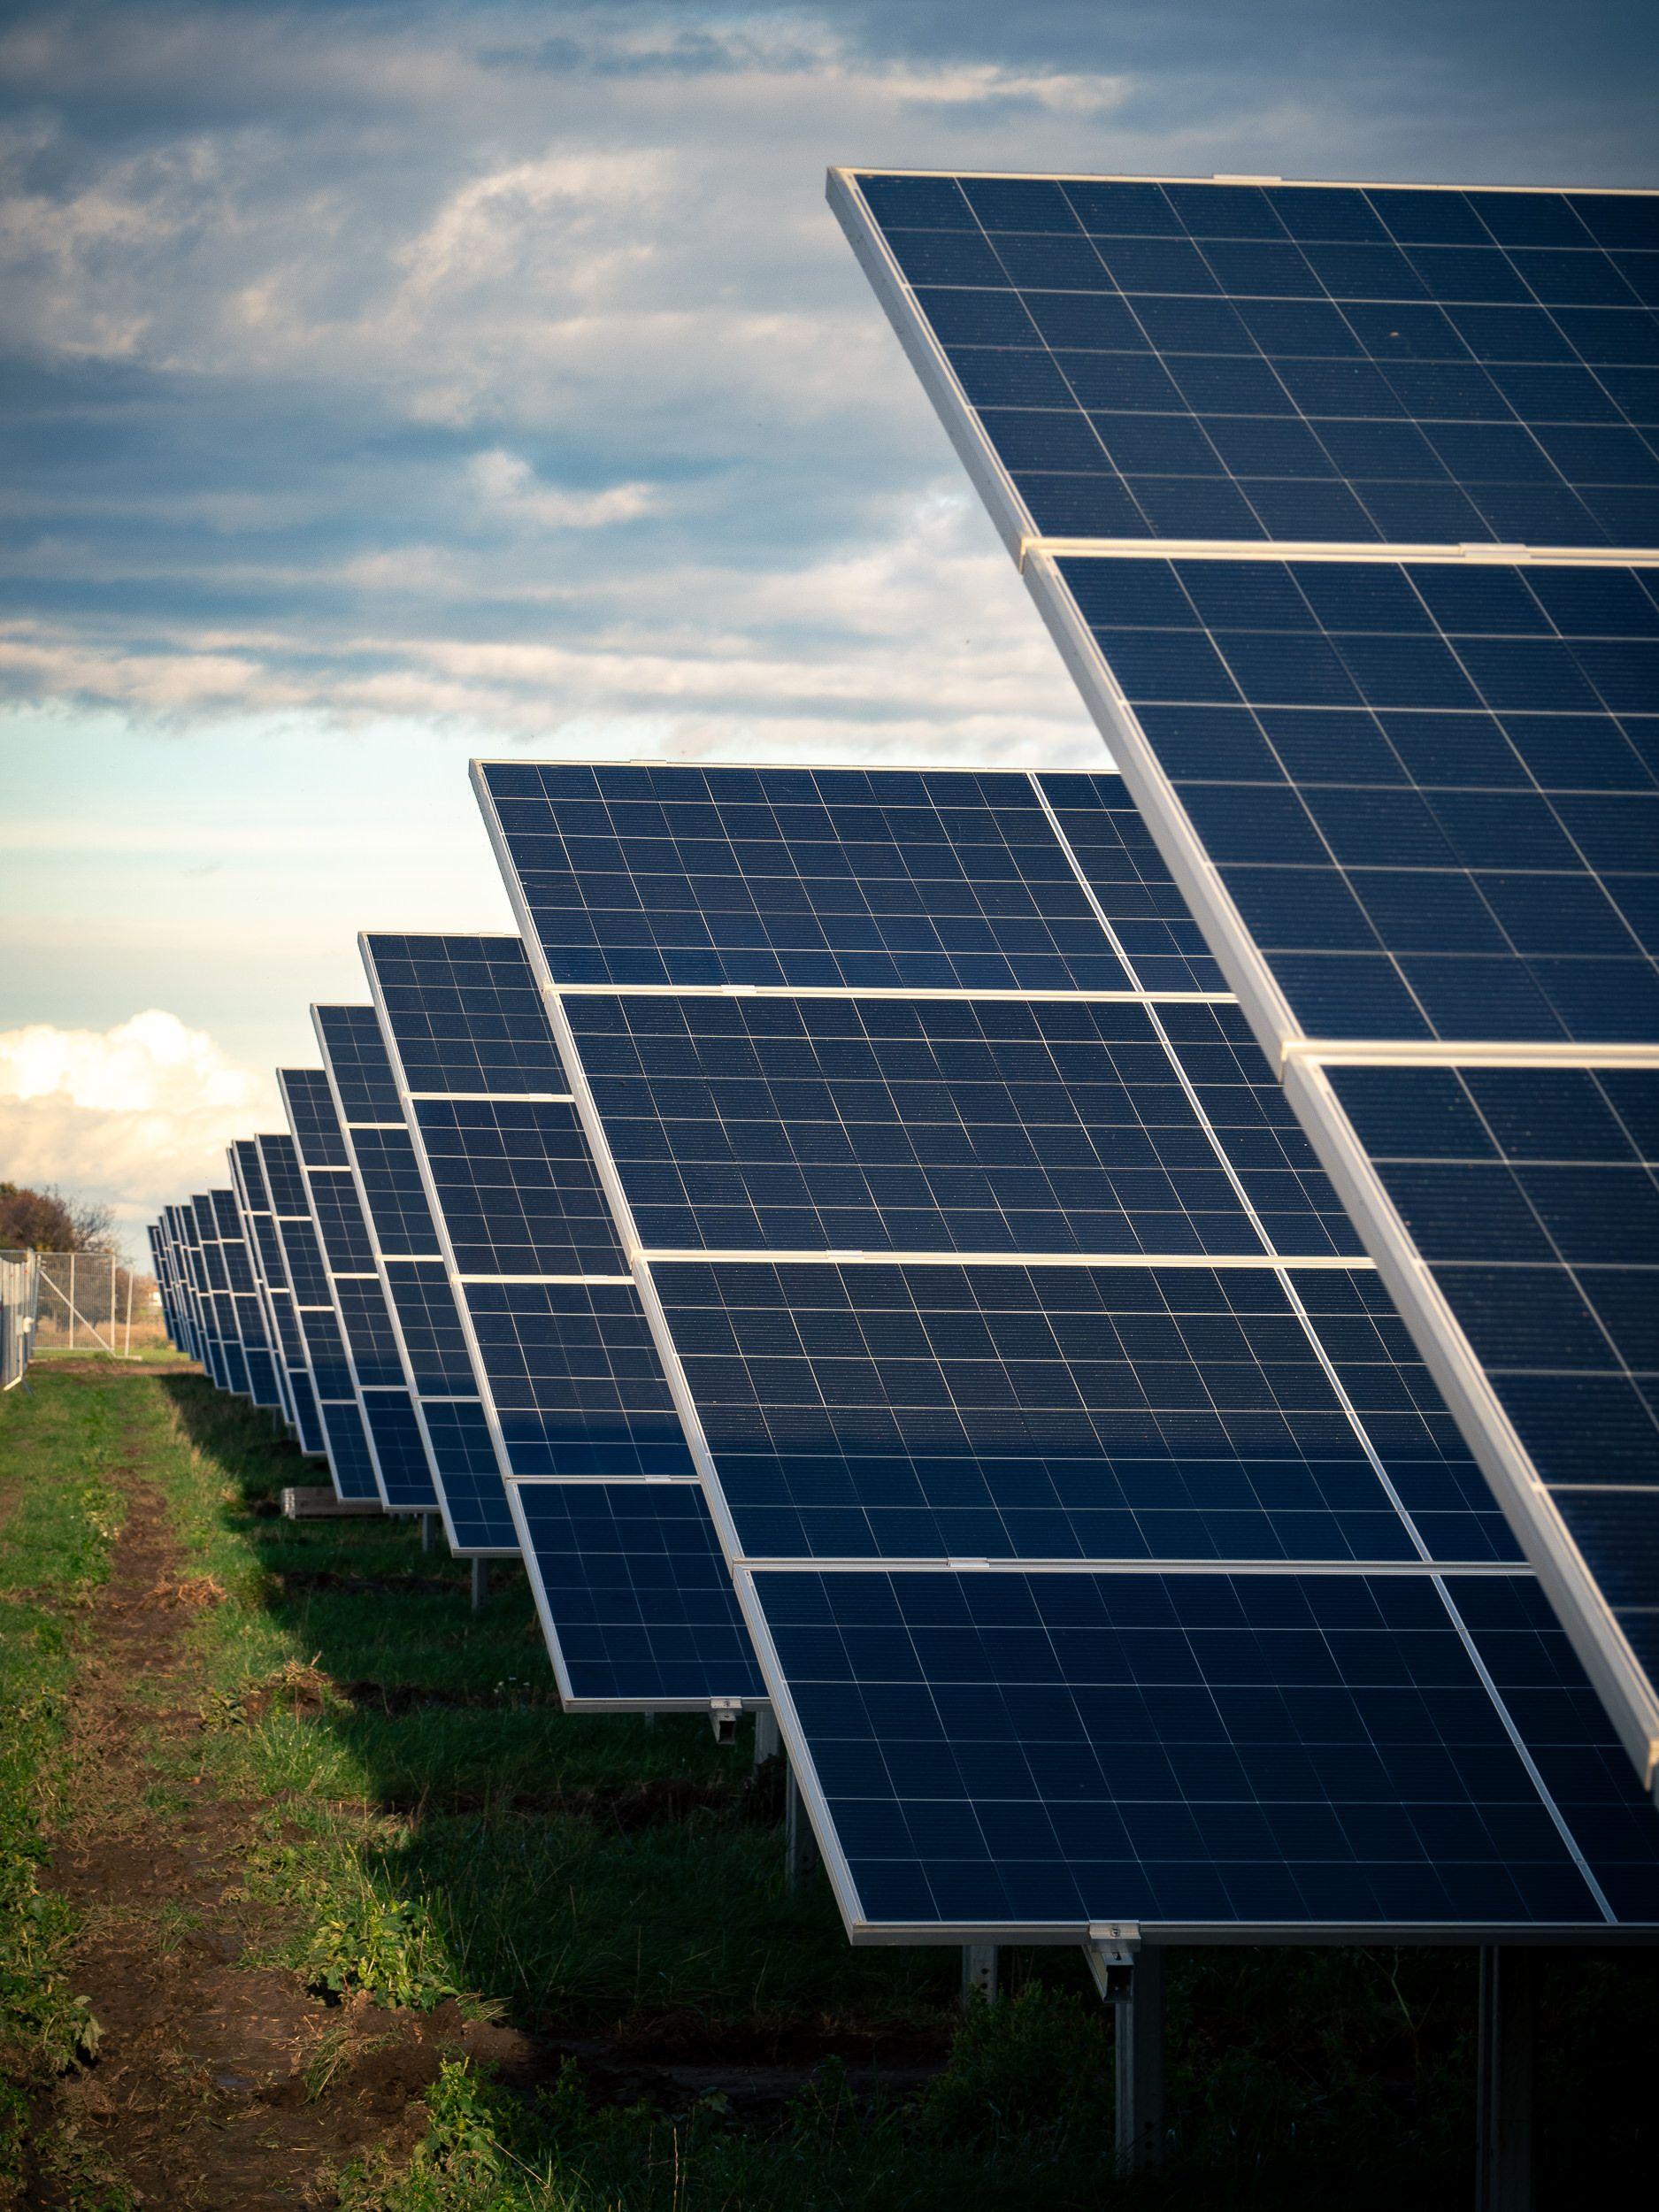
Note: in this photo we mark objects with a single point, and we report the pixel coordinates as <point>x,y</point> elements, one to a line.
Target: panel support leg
<point>768,1742</point>
<point>979,1966</point>
<point>1503,2155</point>
<point>649,1719</point>
<point>480,1585</point>
<point>1130,1977</point>
<point>426,1520</point>
<point>800,1844</point>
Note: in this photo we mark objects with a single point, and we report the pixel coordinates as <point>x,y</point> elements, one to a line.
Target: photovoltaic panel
<point>368,1342</point>
<point>1282,362</point>
<point>163,1286</point>
<point>246,1311</point>
<point>388,1209</point>
<point>1532,1195</point>
<point>1113,1420</point>
<point>1401,762</point>
<point>563,1355</point>
<point>1185,1751</point>
<point>568,1378</point>
<point>173,1223</point>
<point>635,1595</point>
<point>259,1228</point>
<point>1432,793</point>
<point>208,1272</point>
<point>323,1389</point>
<point>987,1126</point>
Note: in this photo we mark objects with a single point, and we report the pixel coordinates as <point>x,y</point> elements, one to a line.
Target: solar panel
<point>325,1398</point>
<point>264,1254</point>
<point>164,1287</point>
<point>369,1349</point>
<point>246,1313</point>
<point>1399,752</point>
<point>860,1219</point>
<point>1282,362</point>
<point>634,1596</point>
<point>386,1205</point>
<point>561,1353</point>
<point>173,1231</point>
<point>567,1376</point>
<point>209,1274</point>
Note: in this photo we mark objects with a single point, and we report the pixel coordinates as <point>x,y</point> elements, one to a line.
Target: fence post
<point>72,1302</point>
<point>128,1353</point>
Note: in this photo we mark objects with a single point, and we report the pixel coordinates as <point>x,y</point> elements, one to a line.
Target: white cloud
<point>132,1117</point>
<point>508,485</point>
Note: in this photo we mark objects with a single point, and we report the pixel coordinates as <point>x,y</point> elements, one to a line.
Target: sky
<point>387,385</point>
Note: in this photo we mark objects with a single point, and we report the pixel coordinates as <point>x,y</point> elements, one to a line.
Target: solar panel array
<point>1123,1307</point>
<point>1080,1484</point>
<point>1399,753</point>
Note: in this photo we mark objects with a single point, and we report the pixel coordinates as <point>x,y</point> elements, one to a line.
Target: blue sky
<point>386,384</point>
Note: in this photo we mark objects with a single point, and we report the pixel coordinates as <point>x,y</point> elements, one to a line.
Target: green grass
<point>428,1825</point>
<point>59,1517</point>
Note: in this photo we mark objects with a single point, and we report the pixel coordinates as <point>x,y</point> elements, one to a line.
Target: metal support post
<point>426,1520</point>
<point>800,1845</point>
<point>979,1962</point>
<point>1140,2049</point>
<point>768,1742</point>
<point>649,1719</point>
<point>1503,2152</point>
<point>1130,1977</point>
<point>480,1585</point>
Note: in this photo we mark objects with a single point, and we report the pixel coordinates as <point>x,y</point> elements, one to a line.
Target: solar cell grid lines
<point>910,1407</point>
<point>1390,720</point>
<point>1283,362</point>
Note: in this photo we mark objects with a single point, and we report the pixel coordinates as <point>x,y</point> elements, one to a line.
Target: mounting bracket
<point>724,1715</point>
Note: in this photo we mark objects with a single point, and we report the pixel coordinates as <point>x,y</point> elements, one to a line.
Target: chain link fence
<point>90,1302</point>
<point>19,1292</point>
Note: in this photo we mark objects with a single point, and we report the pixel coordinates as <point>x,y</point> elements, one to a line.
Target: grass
<point>59,1517</point>
<point>428,1826</point>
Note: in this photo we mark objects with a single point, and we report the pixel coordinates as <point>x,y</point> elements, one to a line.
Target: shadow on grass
<point>490,1855</point>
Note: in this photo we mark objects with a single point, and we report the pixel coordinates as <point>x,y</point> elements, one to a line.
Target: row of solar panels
<point>854,1247</point>
<point>1145,1288</point>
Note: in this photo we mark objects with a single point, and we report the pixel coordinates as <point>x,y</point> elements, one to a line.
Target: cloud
<point>132,1116</point>
<point>507,485</point>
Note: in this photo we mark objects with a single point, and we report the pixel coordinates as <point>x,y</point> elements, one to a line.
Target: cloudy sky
<point>387,384</point>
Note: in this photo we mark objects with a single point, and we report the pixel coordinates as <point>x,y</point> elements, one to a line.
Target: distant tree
<point>49,1222</point>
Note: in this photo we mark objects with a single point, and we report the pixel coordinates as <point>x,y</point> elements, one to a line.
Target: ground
<point>309,1895</point>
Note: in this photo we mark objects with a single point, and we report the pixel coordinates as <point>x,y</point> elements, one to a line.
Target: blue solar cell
<point>635,1595</point>
<point>516,1186</point>
<point>352,1045</point>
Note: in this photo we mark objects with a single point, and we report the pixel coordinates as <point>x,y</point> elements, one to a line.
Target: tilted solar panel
<point>326,1398</point>
<point>540,1306</point>
<point>246,1311</point>
<point>263,1257</point>
<point>369,1346</point>
<point>854,1212</point>
<point>383,1205</point>
<point>634,1596</point>
<point>1284,362</point>
<point>208,1273</point>
<point>1399,754</point>
<point>407,1252</point>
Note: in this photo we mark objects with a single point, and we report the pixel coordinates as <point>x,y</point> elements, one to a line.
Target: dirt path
<point>199,2095</point>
